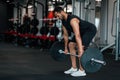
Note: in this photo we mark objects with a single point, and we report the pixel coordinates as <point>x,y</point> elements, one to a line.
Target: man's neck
<point>65,16</point>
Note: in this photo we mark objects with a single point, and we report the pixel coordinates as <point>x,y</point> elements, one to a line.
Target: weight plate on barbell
<point>88,65</point>
<point>54,51</point>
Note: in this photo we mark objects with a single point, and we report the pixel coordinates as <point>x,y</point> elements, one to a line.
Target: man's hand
<point>80,53</point>
<point>66,51</point>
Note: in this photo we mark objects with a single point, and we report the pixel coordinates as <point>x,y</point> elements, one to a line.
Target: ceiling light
<point>98,0</point>
<point>7,1</point>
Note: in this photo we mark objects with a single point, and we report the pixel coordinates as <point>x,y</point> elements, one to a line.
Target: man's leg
<point>86,39</point>
<point>73,58</point>
<point>72,50</point>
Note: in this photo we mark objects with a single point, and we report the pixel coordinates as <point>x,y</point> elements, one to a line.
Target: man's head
<point>58,12</point>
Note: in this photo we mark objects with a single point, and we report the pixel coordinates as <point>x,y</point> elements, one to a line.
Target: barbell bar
<point>92,59</point>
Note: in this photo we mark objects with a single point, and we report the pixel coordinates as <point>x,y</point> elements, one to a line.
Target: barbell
<point>48,19</point>
<point>91,60</point>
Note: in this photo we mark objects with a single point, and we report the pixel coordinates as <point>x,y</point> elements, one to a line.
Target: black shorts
<point>86,36</point>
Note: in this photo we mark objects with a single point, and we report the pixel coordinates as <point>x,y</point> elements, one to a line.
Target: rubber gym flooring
<point>20,63</point>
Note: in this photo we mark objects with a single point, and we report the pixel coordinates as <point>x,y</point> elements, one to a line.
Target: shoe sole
<point>69,73</point>
<point>78,76</point>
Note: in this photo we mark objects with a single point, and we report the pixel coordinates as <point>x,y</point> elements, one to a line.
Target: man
<point>82,34</point>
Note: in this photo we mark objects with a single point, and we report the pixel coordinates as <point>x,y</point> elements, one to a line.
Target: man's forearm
<point>66,41</point>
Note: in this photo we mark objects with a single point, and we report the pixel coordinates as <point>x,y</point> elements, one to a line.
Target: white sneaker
<point>78,73</point>
<point>71,70</point>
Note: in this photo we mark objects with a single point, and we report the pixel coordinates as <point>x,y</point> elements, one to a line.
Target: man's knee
<point>72,45</point>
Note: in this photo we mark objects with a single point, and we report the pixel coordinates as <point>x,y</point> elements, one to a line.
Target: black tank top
<point>84,25</point>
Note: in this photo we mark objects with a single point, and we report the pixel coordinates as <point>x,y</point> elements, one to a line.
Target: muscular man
<point>82,34</point>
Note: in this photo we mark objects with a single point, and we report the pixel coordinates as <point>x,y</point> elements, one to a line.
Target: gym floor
<point>20,63</point>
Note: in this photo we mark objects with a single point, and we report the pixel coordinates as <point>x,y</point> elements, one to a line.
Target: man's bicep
<point>76,27</point>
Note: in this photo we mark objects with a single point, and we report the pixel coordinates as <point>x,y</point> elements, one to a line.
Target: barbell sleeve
<point>98,61</point>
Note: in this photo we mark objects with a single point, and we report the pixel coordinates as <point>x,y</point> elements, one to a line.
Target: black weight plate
<point>44,30</point>
<point>89,65</point>
<point>54,51</point>
<point>54,31</point>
